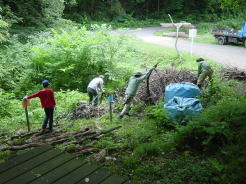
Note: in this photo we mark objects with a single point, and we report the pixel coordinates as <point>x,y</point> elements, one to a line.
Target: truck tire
<point>221,40</point>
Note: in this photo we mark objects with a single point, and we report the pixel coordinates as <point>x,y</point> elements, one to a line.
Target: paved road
<point>228,55</point>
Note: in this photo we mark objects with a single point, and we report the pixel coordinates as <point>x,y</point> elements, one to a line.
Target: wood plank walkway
<point>47,165</point>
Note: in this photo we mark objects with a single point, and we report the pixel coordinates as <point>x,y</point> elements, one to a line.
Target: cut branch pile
<point>233,73</point>
<point>83,110</point>
<point>159,79</point>
<point>77,138</point>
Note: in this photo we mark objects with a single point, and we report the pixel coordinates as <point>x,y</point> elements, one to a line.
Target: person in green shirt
<point>131,89</point>
<point>204,71</point>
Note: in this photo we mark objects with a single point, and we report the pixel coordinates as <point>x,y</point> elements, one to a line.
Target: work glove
<point>25,98</point>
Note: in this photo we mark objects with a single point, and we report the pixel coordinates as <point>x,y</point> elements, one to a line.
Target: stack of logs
<point>35,138</point>
<point>234,73</point>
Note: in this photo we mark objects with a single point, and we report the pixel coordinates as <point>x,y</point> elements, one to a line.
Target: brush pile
<point>159,79</point>
<point>78,139</point>
<point>83,110</point>
<point>233,73</point>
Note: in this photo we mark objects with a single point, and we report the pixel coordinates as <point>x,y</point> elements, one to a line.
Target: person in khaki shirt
<point>131,89</point>
<point>204,71</point>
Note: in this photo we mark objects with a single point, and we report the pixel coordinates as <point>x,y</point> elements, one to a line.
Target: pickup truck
<point>225,36</point>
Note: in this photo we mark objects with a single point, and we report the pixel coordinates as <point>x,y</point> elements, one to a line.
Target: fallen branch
<point>15,148</point>
<point>79,141</point>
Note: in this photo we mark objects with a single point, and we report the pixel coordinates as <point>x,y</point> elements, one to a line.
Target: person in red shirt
<point>47,99</point>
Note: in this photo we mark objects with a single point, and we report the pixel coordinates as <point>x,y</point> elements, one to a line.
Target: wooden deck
<point>46,165</point>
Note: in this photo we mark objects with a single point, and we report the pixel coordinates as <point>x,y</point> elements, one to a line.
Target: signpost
<point>192,35</point>
<point>110,101</point>
<point>25,104</point>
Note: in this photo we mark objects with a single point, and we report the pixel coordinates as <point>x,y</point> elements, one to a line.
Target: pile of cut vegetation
<point>234,73</point>
<point>84,110</point>
<point>158,80</point>
<point>78,138</point>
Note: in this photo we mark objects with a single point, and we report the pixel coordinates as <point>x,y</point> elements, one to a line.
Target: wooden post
<point>27,120</point>
<point>110,111</point>
<point>25,104</point>
<point>110,101</point>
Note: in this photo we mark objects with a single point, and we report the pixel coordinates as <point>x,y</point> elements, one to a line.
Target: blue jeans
<point>49,113</point>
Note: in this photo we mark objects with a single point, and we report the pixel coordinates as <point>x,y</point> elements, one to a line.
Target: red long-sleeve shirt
<point>46,96</point>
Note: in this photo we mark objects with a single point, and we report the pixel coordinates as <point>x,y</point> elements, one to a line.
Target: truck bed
<point>226,32</point>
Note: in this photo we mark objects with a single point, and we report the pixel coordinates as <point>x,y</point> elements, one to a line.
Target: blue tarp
<point>181,100</point>
<point>178,107</point>
<point>181,89</point>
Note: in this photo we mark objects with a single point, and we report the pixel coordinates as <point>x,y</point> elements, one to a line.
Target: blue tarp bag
<point>181,89</point>
<point>179,107</point>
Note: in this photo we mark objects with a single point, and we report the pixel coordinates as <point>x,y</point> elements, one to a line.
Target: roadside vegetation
<point>70,50</point>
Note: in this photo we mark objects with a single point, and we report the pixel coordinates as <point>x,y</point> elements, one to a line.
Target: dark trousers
<point>49,113</point>
<point>92,95</point>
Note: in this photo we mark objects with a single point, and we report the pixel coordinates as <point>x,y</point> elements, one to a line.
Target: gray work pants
<point>93,96</point>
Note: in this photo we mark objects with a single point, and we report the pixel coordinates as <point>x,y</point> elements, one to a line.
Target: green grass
<point>202,37</point>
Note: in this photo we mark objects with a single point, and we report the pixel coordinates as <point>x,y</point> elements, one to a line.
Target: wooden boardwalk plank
<point>77,174</point>
<point>41,169</point>
<point>96,177</point>
<point>28,165</point>
<point>114,180</point>
<point>59,172</point>
<point>45,165</point>
<point>23,157</point>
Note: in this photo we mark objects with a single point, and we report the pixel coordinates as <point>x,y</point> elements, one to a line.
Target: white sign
<point>192,33</point>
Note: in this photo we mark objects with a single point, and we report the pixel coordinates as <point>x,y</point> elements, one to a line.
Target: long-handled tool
<point>25,104</point>
<point>150,100</point>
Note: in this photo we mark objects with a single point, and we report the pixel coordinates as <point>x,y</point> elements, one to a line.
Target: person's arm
<point>100,86</point>
<point>37,94</point>
<point>53,98</point>
<point>145,75</point>
<point>199,69</point>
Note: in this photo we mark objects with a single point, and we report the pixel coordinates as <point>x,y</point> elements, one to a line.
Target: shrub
<point>219,91</point>
<point>148,149</point>
<point>130,162</point>
<point>221,131</point>
<point>159,115</point>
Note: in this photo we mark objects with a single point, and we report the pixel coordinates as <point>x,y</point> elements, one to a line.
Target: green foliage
<point>130,163</point>
<point>77,57</point>
<point>35,13</point>
<point>219,92</point>
<point>233,5</point>
<point>159,115</point>
<point>148,149</point>
<point>221,131</point>
<point>4,26</point>
<point>4,101</point>
<point>174,169</point>
<point>203,137</point>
